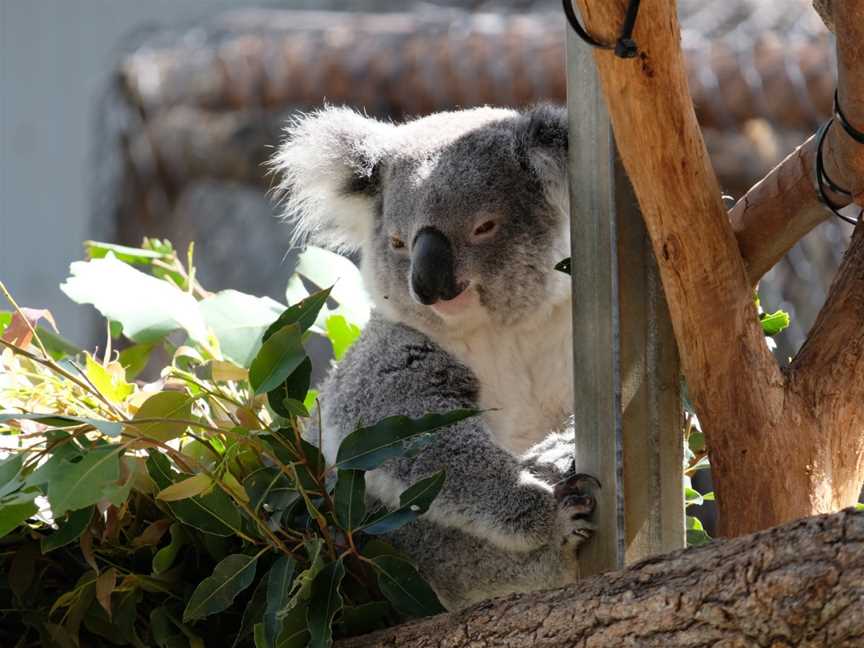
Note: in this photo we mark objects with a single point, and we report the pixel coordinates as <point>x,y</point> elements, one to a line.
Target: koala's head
<point>460,217</point>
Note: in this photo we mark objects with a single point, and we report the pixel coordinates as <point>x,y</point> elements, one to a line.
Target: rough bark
<point>797,585</point>
<point>795,440</point>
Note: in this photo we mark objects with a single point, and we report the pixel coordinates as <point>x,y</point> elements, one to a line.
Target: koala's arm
<point>488,492</point>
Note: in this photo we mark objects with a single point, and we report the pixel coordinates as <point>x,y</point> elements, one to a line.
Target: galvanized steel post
<point>626,380</point>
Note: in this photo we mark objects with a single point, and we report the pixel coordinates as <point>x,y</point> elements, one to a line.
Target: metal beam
<point>626,385</point>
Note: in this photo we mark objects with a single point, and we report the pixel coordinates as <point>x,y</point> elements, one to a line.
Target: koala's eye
<point>396,243</point>
<point>485,229</point>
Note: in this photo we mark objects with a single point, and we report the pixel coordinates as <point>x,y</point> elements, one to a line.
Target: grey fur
<point>352,182</point>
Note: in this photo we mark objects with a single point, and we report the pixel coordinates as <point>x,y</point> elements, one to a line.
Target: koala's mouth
<point>466,298</point>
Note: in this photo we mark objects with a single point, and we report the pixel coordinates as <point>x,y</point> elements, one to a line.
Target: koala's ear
<point>329,166</point>
<point>542,147</point>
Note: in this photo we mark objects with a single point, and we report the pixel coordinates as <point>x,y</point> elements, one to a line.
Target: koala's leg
<point>488,493</point>
<point>464,569</point>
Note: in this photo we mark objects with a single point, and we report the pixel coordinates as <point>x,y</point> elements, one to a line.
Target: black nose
<point>432,267</point>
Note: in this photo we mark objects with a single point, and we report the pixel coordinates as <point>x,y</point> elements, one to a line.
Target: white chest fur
<point>525,376</point>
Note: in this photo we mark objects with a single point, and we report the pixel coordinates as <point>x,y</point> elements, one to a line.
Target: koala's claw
<point>576,505</point>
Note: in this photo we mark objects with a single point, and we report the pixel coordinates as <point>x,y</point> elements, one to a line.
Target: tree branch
<point>799,584</point>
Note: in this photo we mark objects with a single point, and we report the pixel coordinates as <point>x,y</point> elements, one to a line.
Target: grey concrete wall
<point>55,56</point>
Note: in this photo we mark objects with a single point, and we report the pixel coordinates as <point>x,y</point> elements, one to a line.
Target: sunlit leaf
<point>325,268</point>
<point>239,321</point>
<point>99,250</point>
<point>191,487</point>
<point>217,592</point>
<point>148,308</point>
<point>342,334</point>
<point>369,447</point>
<point>109,428</point>
<point>110,381</point>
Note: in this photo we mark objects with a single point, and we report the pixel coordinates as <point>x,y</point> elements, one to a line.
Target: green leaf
<point>76,485</point>
<point>284,400</point>
<point>165,557</point>
<point>146,307</point>
<point>99,250</point>
<point>135,358</point>
<point>15,509</point>
<point>303,313</point>
<point>324,268</point>
<point>69,531</point>
<point>279,582</point>
<point>251,615</point>
<point>692,497</point>
<point>369,447</point>
<point>696,534</point>
<point>708,497</point>
<point>10,467</point>
<point>774,323</point>
<point>239,321</point>
<point>279,356</point>
<point>57,346</point>
<point>113,387</point>
<point>368,617</point>
<point>163,405</point>
<point>108,428</point>
<point>405,588</point>
<point>271,487</point>
<point>217,592</point>
<point>413,502</point>
<point>350,498</point>
<point>342,334</point>
<point>324,603</point>
<point>214,513</point>
<point>295,632</point>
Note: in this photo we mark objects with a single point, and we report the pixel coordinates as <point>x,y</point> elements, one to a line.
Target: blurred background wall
<point>125,118</point>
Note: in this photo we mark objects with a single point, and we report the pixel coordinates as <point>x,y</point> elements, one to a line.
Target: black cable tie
<point>853,132</point>
<point>624,47</point>
<point>822,179</point>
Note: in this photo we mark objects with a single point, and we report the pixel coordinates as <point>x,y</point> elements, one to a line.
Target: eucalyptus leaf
<point>162,405</point>
<point>146,307</point>
<point>15,509</point>
<point>165,557</point>
<point>280,578</point>
<point>279,356</point>
<point>405,588</point>
<point>368,447</point>
<point>342,334</point>
<point>413,502</point>
<point>349,498</point>
<point>108,428</point>
<point>293,389</point>
<point>303,313</point>
<point>325,601</point>
<point>218,591</point>
<point>69,530</point>
<point>324,268</point>
<point>76,485</point>
<point>239,321</point>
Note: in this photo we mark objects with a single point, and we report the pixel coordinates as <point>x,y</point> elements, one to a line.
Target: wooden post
<point>628,408</point>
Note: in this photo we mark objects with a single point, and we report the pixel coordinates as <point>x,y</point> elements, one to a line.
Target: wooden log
<point>801,584</point>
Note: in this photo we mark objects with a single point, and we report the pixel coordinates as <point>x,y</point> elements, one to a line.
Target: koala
<point>459,219</point>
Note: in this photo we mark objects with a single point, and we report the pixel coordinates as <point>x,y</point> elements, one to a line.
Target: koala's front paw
<point>576,504</point>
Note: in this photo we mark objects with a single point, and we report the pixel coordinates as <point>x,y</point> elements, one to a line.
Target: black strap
<point>624,47</point>
<point>822,179</point>
<point>853,132</point>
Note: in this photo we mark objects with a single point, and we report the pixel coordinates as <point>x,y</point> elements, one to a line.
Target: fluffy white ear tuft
<point>328,167</point>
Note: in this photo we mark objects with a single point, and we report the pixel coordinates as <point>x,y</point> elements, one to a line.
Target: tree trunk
<point>783,445</point>
<point>797,585</point>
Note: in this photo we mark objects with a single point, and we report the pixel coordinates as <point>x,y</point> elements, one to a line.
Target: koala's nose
<point>432,267</point>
